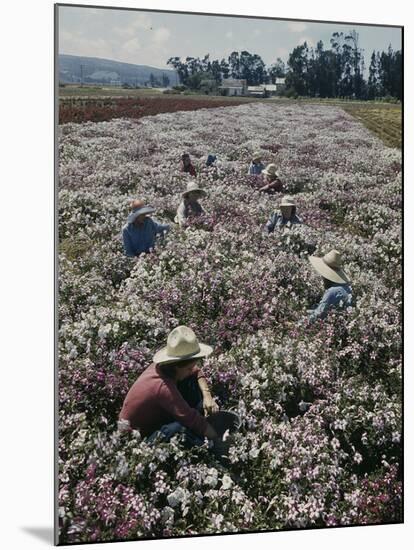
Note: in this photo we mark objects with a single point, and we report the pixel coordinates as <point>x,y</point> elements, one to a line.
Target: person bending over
<point>170,396</point>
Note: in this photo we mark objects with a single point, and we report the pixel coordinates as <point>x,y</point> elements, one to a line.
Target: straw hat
<point>137,208</point>
<point>257,155</point>
<point>270,170</point>
<point>330,267</point>
<point>287,201</point>
<point>182,344</point>
<point>191,187</point>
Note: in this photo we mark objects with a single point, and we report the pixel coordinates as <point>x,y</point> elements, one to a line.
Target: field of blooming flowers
<point>320,442</point>
<point>80,109</point>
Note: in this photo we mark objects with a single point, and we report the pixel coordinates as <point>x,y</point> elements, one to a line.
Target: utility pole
<point>81,68</point>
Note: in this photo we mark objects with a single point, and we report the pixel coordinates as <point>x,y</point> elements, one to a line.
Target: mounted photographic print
<point>229,269</point>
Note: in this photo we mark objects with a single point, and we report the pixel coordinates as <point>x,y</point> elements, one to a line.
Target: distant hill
<point>74,68</point>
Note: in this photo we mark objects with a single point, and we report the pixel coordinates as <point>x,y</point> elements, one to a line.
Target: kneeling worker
<point>141,231</point>
<point>166,398</point>
<point>338,293</point>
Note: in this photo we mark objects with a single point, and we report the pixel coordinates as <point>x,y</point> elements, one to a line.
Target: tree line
<point>313,72</point>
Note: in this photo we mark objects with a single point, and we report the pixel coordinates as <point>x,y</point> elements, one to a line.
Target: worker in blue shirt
<point>141,231</point>
<point>338,293</point>
<point>284,218</point>
<point>256,166</point>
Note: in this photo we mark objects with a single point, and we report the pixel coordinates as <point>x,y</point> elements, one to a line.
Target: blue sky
<point>150,38</point>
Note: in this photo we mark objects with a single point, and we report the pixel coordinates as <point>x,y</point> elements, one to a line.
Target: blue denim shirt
<point>337,296</point>
<point>276,220</point>
<point>142,238</point>
<point>255,169</point>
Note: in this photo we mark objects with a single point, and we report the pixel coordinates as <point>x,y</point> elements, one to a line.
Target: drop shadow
<point>45,534</point>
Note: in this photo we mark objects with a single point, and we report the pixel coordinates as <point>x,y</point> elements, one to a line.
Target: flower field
<point>320,442</point>
<point>81,109</point>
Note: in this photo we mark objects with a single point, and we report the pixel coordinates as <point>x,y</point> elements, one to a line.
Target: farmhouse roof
<point>280,80</point>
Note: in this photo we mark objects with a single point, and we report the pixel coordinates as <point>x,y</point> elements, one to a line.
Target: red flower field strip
<point>85,110</point>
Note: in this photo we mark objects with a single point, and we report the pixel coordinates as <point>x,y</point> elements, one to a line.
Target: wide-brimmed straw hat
<point>138,207</point>
<point>287,200</point>
<point>257,155</point>
<point>182,344</point>
<point>270,170</point>
<point>330,267</point>
<point>191,187</point>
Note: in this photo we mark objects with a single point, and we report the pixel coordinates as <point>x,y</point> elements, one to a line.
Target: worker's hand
<point>209,405</point>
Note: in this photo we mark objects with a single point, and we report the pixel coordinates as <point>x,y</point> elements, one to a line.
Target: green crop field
<point>385,121</point>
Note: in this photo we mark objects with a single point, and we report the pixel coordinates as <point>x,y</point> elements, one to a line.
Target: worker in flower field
<point>187,166</point>
<point>338,292</point>
<point>211,159</point>
<point>272,183</point>
<point>189,206</point>
<point>168,396</point>
<point>256,166</point>
<point>284,218</point>
<point>141,231</point>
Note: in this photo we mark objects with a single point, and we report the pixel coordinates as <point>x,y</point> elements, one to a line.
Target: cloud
<point>281,52</point>
<point>95,12</point>
<point>90,48</point>
<point>65,37</point>
<point>161,35</point>
<point>140,22</point>
<point>297,26</point>
<point>131,47</point>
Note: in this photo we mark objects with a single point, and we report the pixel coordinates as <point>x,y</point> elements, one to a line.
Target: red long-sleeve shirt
<point>154,400</point>
<point>274,186</point>
<point>189,169</point>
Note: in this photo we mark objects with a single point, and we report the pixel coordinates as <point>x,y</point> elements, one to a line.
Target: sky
<point>150,38</point>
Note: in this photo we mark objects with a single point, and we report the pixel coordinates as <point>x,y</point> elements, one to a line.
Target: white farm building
<point>233,87</point>
<point>266,90</point>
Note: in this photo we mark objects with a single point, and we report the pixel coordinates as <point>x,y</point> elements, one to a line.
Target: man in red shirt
<point>272,183</point>
<point>165,397</point>
<point>187,166</point>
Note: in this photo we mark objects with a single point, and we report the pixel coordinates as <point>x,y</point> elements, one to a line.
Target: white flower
<point>217,520</point>
<point>335,444</point>
<point>124,425</point>
<point>212,477</point>
<point>357,458</point>
<point>167,514</point>
<point>175,498</point>
<point>227,482</point>
<point>254,453</point>
<point>396,437</point>
<point>139,469</point>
